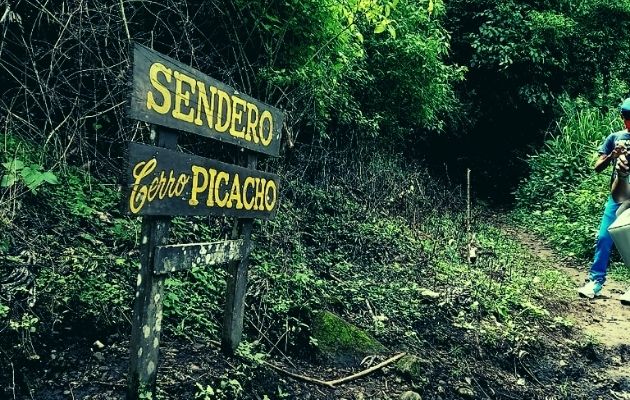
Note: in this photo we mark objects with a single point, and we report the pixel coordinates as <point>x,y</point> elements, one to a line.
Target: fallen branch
<point>333,383</point>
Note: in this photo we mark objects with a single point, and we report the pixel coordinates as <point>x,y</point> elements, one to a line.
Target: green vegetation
<point>387,103</point>
<point>31,176</point>
<point>563,198</point>
<point>406,284</point>
<point>525,58</point>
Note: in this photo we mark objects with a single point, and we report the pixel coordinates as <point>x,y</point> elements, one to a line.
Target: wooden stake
<point>147,312</point>
<point>468,203</point>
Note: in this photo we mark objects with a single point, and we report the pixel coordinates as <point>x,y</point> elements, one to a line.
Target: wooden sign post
<point>162,182</point>
<point>147,313</point>
<point>237,282</point>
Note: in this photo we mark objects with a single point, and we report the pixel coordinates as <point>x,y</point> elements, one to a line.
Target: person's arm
<point>620,187</point>
<point>602,162</point>
<point>607,153</point>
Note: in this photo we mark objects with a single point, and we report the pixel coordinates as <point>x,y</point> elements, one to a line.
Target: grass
<point>620,272</point>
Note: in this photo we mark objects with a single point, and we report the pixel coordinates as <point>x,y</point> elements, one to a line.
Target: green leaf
<point>31,178</point>
<point>26,171</point>
<point>7,180</point>
<point>34,182</point>
<point>392,31</point>
<point>381,26</point>
<point>13,165</point>
<point>50,177</point>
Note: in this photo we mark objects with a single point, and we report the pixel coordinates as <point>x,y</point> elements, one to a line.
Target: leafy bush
<point>568,156</point>
<point>522,56</point>
<point>31,176</point>
<point>562,199</point>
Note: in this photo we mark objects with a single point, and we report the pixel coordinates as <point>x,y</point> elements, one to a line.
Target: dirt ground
<point>604,318</point>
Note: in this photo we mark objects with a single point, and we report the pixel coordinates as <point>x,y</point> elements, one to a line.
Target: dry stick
<point>6,13</point>
<point>468,203</point>
<point>530,374</point>
<point>124,17</point>
<point>12,368</point>
<point>98,114</point>
<point>469,236</point>
<point>331,384</point>
<point>271,343</point>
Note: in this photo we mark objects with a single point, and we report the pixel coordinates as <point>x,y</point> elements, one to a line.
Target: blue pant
<point>604,242</point>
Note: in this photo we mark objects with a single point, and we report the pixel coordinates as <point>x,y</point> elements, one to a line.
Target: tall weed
<point>568,155</point>
<point>563,198</point>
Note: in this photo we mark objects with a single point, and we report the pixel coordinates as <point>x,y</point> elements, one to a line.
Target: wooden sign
<point>162,182</point>
<point>171,94</point>
<point>166,182</point>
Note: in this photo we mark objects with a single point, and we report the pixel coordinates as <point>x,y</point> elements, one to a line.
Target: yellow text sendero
<point>215,108</point>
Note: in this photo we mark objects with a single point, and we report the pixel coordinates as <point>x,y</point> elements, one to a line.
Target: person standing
<point>613,147</point>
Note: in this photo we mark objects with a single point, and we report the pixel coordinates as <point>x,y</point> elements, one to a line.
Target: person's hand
<point>623,165</point>
<point>617,151</point>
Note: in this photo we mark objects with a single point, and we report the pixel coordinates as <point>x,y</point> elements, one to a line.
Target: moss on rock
<point>412,367</point>
<point>340,341</point>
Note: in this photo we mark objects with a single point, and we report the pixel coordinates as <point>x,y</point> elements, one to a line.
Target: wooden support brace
<point>180,257</point>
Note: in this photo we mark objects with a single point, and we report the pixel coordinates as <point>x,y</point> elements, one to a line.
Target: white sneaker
<point>625,299</point>
<point>591,289</point>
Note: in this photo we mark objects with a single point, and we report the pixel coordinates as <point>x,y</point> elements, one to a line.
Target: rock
<point>409,395</point>
<point>466,392</point>
<point>359,396</point>
<point>99,356</point>
<point>412,367</point>
<point>98,345</point>
<point>341,342</point>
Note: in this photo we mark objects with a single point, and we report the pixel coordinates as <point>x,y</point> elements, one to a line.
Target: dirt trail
<point>605,319</point>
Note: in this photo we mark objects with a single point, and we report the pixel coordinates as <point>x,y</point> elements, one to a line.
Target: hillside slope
<point>388,255</point>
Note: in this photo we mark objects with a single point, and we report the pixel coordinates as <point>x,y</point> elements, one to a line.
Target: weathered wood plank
<point>172,94</point>
<point>147,312</point>
<point>181,257</point>
<point>165,182</point>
